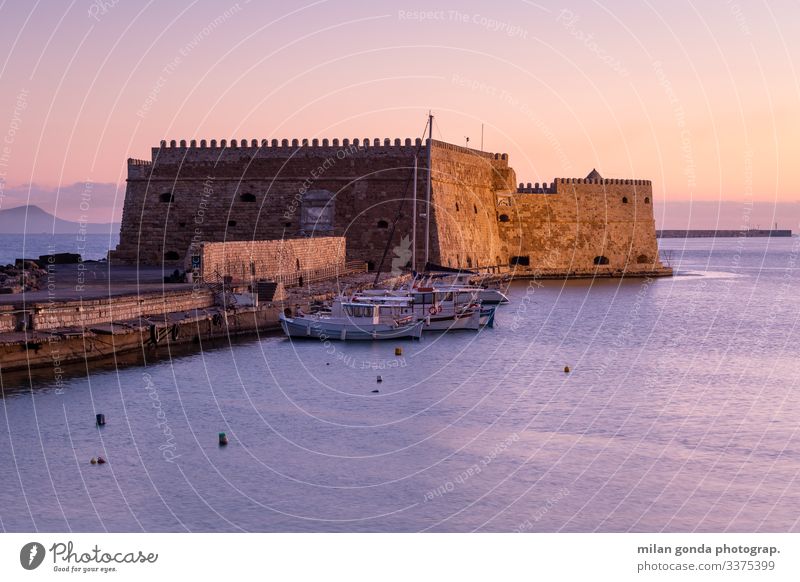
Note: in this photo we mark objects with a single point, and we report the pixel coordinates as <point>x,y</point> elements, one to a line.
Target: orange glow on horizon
<point>702,100</point>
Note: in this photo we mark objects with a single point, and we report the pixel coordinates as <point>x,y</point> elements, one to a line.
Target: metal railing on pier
<point>305,276</point>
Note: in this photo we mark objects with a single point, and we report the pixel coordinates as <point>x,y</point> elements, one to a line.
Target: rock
<point>60,259</point>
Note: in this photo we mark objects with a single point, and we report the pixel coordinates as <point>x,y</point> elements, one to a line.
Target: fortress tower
<point>362,189</point>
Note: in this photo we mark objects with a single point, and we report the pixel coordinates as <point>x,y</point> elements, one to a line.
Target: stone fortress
<point>362,190</point>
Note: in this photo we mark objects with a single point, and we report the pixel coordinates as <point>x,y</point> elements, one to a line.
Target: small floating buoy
<point>375,391</point>
<point>100,460</point>
<point>93,461</point>
<point>566,369</point>
<point>101,419</point>
<point>223,439</point>
<point>398,351</point>
<point>380,379</point>
<point>327,363</point>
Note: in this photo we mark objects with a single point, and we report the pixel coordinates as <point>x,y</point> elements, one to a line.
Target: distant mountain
<point>34,220</point>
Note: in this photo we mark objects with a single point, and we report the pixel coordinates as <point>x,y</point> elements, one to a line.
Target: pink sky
<point>701,98</point>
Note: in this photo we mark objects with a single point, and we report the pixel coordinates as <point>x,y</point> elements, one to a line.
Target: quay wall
<point>8,319</point>
<point>78,314</point>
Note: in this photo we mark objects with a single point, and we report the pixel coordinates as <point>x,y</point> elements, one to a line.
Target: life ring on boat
<point>432,310</point>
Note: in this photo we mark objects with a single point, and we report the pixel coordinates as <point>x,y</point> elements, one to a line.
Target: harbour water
<point>92,247</point>
<point>679,414</point>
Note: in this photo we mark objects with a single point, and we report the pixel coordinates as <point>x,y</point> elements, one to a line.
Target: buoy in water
<point>398,351</point>
<point>101,419</point>
<point>100,460</point>
<point>223,439</point>
<point>380,378</point>
<point>93,461</point>
<point>566,369</point>
<point>375,391</point>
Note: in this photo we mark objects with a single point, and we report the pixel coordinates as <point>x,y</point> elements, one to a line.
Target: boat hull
<point>487,315</point>
<point>307,327</point>
<point>468,321</point>
<point>492,297</point>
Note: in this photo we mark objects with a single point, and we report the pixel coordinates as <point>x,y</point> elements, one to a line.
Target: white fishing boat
<point>441,310</point>
<point>486,295</point>
<point>353,320</point>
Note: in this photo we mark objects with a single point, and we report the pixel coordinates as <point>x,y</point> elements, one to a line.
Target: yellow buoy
<point>566,369</point>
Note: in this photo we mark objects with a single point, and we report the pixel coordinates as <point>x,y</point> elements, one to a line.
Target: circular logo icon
<point>31,555</point>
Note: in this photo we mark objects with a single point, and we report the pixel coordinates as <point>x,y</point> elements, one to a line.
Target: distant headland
<point>33,220</point>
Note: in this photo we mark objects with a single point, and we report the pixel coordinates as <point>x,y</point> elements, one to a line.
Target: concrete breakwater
<point>90,311</point>
<point>752,232</point>
<point>66,345</point>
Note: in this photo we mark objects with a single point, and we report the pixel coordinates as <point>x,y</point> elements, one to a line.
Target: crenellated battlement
<point>295,143</point>
<point>552,188</point>
<point>536,188</point>
<point>181,150</point>
<point>291,143</point>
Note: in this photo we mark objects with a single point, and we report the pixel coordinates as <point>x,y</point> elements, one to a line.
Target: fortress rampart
<point>361,189</point>
<point>579,224</point>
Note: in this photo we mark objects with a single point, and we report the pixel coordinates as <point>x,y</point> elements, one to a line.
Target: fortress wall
<point>256,193</point>
<point>266,190</point>
<point>267,259</point>
<point>464,229</point>
<point>564,231</point>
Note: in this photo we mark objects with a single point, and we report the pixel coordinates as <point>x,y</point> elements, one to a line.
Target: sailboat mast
<point>414,221</point>
<point>428,195</point>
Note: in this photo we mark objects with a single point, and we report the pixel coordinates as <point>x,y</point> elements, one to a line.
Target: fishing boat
<point>352,320</point>
<point>441,310</point>
<point>486,295</point>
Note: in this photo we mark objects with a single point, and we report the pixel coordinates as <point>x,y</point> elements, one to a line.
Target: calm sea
<point>680,414</point>
<point>31,246</point>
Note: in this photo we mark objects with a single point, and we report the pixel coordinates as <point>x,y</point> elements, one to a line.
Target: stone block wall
<point>8,320</point>
<point>465,185</point>
<point>575,222</point>
<point>249,190</point>
<point>86,313</point>
<point>223,191</point>
<point>266,259</point>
